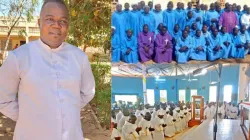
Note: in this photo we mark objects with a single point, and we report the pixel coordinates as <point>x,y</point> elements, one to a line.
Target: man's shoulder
<point>23,49</point>
<point>75,50</point>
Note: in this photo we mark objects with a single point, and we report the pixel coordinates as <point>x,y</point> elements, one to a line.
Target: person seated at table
<point>163,47</point>
<point>183,47</point>
<point>226,42</point>
<point>198,52</point>
<point>214,46</point>
<point>238,49</point>
<point>145,44</point>
<point>129,48</point>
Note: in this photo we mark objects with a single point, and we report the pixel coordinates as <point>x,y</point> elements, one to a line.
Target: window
<point>227,93</point>
<point>212,93</point>
<point>163,96</point>
<point>182,95</point>
<point>151,96</point>
<point>192,92</point>
<point>126,98</point>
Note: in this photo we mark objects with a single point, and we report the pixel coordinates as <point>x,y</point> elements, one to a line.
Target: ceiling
<point>135,70</point>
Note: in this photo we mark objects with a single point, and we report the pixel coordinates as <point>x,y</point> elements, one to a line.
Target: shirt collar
<point>45,46</point>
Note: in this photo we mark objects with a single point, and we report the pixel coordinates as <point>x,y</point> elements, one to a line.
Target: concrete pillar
<point>27,31</point>
<point>243,82</point>
<point>144,83</point>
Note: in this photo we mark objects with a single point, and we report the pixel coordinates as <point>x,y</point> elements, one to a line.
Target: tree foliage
<point>15,11</point>
<point>90,23</point>
<point>103,92</point>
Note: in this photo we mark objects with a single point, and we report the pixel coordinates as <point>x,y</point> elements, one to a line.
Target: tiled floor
<point>227,130</point>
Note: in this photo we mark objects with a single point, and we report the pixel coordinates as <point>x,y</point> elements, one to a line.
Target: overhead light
<point>212,82</point>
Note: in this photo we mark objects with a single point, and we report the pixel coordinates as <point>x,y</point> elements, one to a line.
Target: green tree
<point>90,23</point>
<point>13,12</point>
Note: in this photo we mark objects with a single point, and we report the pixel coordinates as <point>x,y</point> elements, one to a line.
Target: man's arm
<point>9,82</point>
<point>87,83</point>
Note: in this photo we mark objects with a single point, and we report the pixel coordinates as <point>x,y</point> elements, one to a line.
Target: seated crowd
<point>181,34</point>
<point>162,120</point>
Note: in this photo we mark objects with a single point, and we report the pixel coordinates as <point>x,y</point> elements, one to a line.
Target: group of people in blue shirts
<point>191,33</point>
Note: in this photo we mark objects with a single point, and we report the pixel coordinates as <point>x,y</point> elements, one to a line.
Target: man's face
<point>238,8</point>
<point>243,29</point>
<point>182,5</point>
<point>205,7</point>
<point>176,28</point>
<point>234,8</point>
<point>245,7</point>
<point>132,119</point>
<point>189,5</point>
<point>53,24</point>
<point>218,8</point>
<point>230,8</point>
<point>215,32</point>
<point>129,33</point>
<point>142,3</point>
<point>134,7</point>
<point>148,116</point>
<point>226,5</point>
<point>248,11</point>
<point>126,6</point>
<point>161,116</point>
<point>212,6</point>
<point>202,6</point>
<point>145,29</point>
<point>187,28</point>
<point>150,4</point>
<point>170,6</point>
<point>163,31</point>
<point>198,7</point>
<point>146,10</point>
<point>119,7</point>
<point>223,30</point>
<point>179,5</point>
<point>190,14</point>
<point>158,7</point>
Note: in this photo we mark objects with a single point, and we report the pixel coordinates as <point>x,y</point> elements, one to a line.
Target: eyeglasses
<point>52,21</point>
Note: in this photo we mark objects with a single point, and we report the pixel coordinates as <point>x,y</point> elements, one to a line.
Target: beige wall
<point>243,82</point>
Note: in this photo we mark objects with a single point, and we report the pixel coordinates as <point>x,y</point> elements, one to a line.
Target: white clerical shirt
<point>52,85</point>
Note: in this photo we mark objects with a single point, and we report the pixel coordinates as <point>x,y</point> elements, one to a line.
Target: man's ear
<point>39,22</point>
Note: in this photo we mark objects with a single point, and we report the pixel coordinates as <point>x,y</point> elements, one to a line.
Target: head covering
<point>177,108</point>
<point>167,109</point>
<point>161,112</point>
<point>143,112</point>
<point>184,106</point>
<point>113,27</point>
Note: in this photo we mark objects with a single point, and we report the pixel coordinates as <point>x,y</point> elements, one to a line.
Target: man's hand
<point>151,129</point>
<point>199,48</point>
<point>164,125</point>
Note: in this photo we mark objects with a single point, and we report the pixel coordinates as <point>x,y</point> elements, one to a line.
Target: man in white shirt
<point>245,19</point>
<point>209,112</point>
<point>159,125</point>
<point>233,112</point>
<point>53,80</point>
<point>221,111</point>
<point>129,129</point>
<point>146,127</point>
<point>119,115</point>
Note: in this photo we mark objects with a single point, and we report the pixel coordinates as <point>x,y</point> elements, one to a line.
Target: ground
<point>89,125</point>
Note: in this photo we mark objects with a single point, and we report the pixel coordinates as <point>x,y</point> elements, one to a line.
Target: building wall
<point>133,86</point>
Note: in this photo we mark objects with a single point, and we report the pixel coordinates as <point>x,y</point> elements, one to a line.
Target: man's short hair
<point>56,1</point>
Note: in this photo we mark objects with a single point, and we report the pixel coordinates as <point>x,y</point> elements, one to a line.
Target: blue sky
<point>36,13</point>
